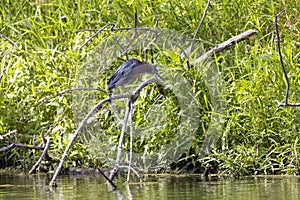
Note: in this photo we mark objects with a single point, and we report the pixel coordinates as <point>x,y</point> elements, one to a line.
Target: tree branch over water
<point>84,121</point>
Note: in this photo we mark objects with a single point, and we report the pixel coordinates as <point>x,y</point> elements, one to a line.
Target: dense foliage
<point>41,58</point>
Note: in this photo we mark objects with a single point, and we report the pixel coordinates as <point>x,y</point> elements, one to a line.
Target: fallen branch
<point>227,43</point>
<point>287,82</point>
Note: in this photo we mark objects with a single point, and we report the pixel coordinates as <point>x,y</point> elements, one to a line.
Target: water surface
<point>155,188</point>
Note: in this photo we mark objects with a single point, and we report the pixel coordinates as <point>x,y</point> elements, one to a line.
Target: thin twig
<point>133,35</point>
<point>184,53</point>
<point>286,98</point>
<point>281,59</point>
<point>46,147</point>
<point>118,29</point>
<point>131,141</point>
<point>151,107</point>
<point>120,46</point>
<point>5,136</point>
<point>46,99</point>
<point>95,34</point>
<point>20,145</point>
<point>132,169</point>
<point>199,25</point>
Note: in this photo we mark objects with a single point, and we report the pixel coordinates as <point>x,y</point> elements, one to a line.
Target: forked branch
<point>91,112</point>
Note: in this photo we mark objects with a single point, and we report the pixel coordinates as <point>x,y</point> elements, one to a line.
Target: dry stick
<point>200,23</point>
<point>282,65</point>
<point>45,100</point>
<point>70,90</point>
<point>5,136</point>
<point>133,35</point>
<point>83,122</point>
<point>95,34</point>
<point>227,43</point>
<point>131,140</point>
<point>129,194</point>
<point>42,156</point>
<point>117,29</point>
<point>20,145</point>
<point>152,106</point>
<point>132,169</point>
<point>153,38</point>
<point>110,30</point>
<point>281,60</point>
<point>115,170</point>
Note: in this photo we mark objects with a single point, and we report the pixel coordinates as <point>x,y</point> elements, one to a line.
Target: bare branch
<point>281,59</point>
<point>119,29</point>
<point>131,141</point>
<point>113,29</point>
<point>290,104</point>
<point>227,43</point>
<point>20,145</point>
<point>95,34</point>
<point>9,147</point>
<point>68,90</point>
<point>84,121</point>
<point>133,35</point>
<point>134,171</point>
<point>115,170</point>
<point>287,82</point>
<point>5,136</point>
<point>35,166</point>
<point>199,25</point>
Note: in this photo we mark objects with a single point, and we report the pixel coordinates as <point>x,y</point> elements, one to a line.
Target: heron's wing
<point>122,72</point>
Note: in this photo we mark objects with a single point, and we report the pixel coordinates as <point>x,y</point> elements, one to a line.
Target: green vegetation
<point>43,59</point>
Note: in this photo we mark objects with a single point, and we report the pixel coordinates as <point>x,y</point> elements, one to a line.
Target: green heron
<point>129,71</point>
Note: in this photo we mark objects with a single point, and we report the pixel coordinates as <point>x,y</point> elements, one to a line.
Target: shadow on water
<point>154,187</point>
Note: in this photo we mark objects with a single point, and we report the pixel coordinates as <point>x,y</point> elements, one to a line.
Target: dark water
<point>161,187</point>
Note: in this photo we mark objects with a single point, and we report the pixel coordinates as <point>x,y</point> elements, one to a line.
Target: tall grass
<point>258,138</point>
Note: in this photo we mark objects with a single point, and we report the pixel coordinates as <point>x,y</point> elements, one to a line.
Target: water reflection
<point>153,187</point>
